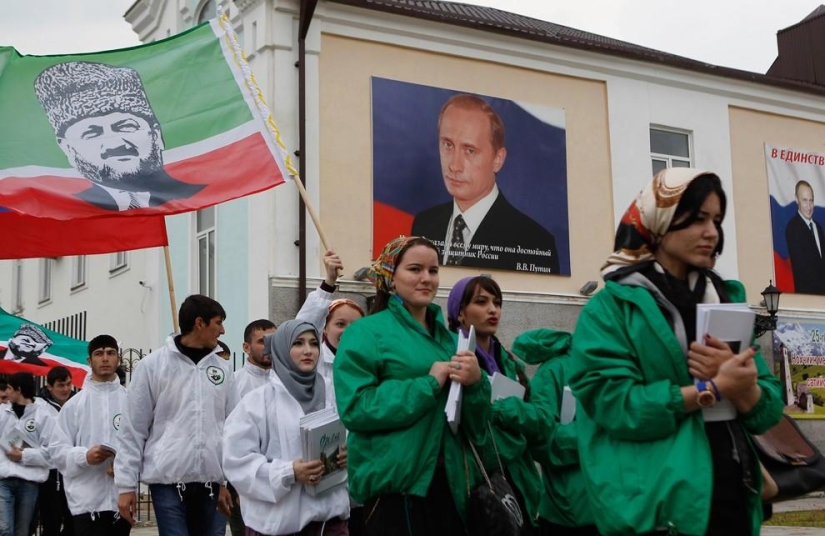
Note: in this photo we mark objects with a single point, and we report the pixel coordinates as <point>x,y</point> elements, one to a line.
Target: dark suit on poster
<point>504,226</point>
<point>161,186</point>
<point>807,264</point>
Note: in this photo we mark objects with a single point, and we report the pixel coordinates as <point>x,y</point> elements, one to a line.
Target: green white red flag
<point>29,347</point>
<point>169,127</point>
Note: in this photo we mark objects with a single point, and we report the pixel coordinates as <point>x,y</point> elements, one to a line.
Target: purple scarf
<point>485,359</point>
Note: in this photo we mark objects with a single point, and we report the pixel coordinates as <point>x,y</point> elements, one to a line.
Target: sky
<point>731,33</point>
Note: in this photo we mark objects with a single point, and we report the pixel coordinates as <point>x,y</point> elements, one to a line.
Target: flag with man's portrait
<point>168,127</point>
<point>29,347</point>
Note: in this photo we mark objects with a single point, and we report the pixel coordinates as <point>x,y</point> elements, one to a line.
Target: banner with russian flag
<point>796,181</point>
<point>29,347</point>
<point>168,127</point>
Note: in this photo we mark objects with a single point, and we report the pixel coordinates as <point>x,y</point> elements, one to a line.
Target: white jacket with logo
<point>261,440</point>
<point>173,421</point>
<point>35,428</point>
<point>92,417</point>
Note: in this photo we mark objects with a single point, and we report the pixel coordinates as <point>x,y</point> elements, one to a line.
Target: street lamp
<point>762,323</point>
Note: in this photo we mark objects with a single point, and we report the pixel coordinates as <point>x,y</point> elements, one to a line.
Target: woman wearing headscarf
<point>656,458</point>
<point>262,444</point>
<point>390,374</point>
<point>477,302</point>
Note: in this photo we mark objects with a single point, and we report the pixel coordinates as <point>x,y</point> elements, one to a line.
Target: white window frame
<point>118,262</point>
<point>203,237</point>
<point>78,267</point>
<point>44,283</point>
<point>17,286</point>
<point>668,159</point>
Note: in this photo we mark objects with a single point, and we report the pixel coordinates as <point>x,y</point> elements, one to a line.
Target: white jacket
<point>261,440</point>
<point>91,417</point>
<point>35,427</point>
<point>249,378</point>
<point>173,421</point>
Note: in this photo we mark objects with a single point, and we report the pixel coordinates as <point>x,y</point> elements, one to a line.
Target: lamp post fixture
<point>763,323</point>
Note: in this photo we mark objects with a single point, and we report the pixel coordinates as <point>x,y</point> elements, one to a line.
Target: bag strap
<point>495,447</point>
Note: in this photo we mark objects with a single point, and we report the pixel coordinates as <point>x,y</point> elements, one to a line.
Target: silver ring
<point>458,366</point>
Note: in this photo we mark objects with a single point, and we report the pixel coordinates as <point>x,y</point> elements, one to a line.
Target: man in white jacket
<point>170,433</point>
<point>84,443</point>
<point>258,363</point>
<point>25,432</point>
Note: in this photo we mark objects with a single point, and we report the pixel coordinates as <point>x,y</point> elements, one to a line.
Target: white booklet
<point>453,407</point>
<point>502,387</point>
<point>731,323</point>
<point>322,437</point>
<point>15,438</point>
<point>568,406</point>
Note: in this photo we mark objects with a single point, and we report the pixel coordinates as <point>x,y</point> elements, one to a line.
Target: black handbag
<point>793,462</point>
<point>492,508</point>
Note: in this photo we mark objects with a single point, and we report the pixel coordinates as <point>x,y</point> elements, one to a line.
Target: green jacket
<point>394,410</point>
<point>513,448</point>
<point>646,462</point>
<point>553,445</point>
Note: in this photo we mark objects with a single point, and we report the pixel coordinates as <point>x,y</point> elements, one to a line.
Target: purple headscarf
<point>486,360</point>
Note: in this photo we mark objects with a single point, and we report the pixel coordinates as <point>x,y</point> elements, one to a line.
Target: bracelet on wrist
<point>715,390</point>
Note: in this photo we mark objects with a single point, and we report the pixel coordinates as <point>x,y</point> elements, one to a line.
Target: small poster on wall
<point>799,362</point>
<point>796,181</point>
<point>484,178</point>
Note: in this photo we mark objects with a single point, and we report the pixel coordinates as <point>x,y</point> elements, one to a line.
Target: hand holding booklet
<point>322,437</point>
<point>732,323</point>
<point>453,407</point>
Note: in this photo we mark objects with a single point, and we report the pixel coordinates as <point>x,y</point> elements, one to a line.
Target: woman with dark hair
<point>476,302</point>
<point>390,373</point>
<point>656,454</point>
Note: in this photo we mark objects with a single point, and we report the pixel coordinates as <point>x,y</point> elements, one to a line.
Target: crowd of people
<point>642,450</point>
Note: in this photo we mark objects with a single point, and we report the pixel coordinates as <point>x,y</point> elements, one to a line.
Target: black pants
<point>55,517</point>
<point>236,524</point>
<point>409,515</point>
<point>101,524</point>
<point>551,529</point>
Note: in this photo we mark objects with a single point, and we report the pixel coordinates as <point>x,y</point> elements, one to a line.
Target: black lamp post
<point>762,323</point>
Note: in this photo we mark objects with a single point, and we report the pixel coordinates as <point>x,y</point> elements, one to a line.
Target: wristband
<point>715,390</point>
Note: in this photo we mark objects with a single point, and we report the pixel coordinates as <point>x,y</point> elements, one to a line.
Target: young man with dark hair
<point>177,402</point>
<point>55,517</point>
<point>256,369</point>
<point>25,429</point>
<point>84,444</point>
<point>4,396</point>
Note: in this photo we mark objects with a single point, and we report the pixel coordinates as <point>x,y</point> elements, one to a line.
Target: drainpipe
<point>307,9</point>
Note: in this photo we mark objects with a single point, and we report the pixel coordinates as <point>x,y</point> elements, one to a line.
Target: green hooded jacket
<point>394,410</point>
<point>647,462</point>
<point>553,445</point>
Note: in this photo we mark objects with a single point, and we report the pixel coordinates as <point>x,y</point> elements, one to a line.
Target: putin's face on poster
<point>115,150</point>
<point>469,158</point>
<point>805,200</point>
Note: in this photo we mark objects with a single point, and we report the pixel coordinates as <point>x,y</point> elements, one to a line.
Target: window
<point>17,286</point>
<point>669,148</point>
<point>208,11</point>
<point>44,288</point>
<point>206,251</point>
<point>78,272</point>
<point>118,262</point>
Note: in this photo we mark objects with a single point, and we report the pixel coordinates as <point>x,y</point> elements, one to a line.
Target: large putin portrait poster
<point>484,178</point>
<point>796,181</point>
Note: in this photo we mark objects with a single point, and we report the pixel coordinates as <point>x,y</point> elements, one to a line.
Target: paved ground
<point>812,502</point>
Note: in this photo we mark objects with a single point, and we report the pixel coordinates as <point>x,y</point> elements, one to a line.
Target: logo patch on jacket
<point>116,421</point>
<point>215,375</point>
<point>30,425</point>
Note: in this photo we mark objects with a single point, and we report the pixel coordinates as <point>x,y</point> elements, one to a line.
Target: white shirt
<point>261,440</point>
<point>473,217</point>
<point>810,224</point>
<point>91,417</point>
<point>172,424</point>
<point>122,198</point>
<point>249,378</point>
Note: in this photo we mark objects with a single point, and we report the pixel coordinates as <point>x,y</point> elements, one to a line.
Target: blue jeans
<point>18,499</point>
<point>189,509</point>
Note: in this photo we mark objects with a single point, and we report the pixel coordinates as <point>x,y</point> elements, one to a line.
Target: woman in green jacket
<point>551,430</point>
<point>664,441</point>
<point>476,301</point>
<point>390,372</point>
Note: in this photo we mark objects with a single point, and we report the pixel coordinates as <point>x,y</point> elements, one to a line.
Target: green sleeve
<point>534,418</point>
<point>475,409</point>
<point>767,412</point>
<point>367,404</point>
<point>564,449</point>
<point>607,380</point>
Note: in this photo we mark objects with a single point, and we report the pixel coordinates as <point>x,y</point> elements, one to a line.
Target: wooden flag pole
<point>168,259</point>
<point>303,193</point>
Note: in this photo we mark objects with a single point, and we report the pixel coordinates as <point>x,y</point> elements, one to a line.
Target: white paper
<point>502,387</point>
<point>453,407</point>
<point>17,439</point>
<point>731,323</point>
<point>322,437</point>
<point>568,406</point>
